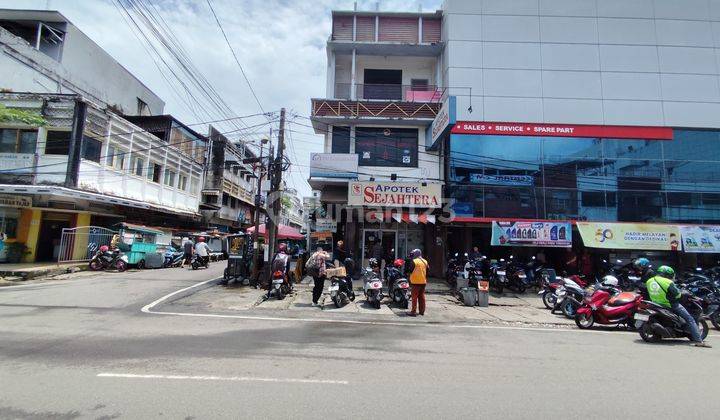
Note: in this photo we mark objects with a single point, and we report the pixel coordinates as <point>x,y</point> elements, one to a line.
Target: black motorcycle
<point>398,286</point>
<point>517,278</point>
<point>655,322</point>
<point>455,266</point>
<point>499,275</point>
<point>105,259</point>
<point>709,292</point>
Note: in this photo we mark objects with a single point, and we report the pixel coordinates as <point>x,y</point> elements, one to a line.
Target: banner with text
<point>395,194</point>
<point>644,236</point>
<point>539,234</point>
<point>505,180</point>
<point>562,130</point>
<point>701,239</point>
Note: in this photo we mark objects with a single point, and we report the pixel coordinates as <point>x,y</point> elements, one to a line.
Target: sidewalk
<point>27,271</point>
<point>442,306</point>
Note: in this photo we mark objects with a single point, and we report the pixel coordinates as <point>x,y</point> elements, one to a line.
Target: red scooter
<point>607,306</point>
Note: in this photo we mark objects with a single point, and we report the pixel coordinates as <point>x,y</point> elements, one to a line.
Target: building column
<point>28,231</point>
<point>353,81</point>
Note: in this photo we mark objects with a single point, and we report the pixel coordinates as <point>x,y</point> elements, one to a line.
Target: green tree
<point>12,115</point>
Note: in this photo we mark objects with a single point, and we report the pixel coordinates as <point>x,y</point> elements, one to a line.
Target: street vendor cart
<point>239,258</point>
<point>139,243</point>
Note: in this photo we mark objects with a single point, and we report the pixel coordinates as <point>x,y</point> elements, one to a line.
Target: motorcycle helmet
<point>104,248</point>
<point>666,271</point>
<point>609,281</point>
<point>201,239</point>
<point>349,264</point>
<point>398,263</point>
<point>641,263</point>
<point>373,263</point>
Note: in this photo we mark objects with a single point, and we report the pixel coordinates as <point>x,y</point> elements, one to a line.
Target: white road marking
<point>148,309</point>
<point>223,378</point>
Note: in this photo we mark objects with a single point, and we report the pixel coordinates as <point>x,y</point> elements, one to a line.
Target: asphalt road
<point>83,349</point>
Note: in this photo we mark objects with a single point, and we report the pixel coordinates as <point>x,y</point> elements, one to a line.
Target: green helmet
<point>666,272</point>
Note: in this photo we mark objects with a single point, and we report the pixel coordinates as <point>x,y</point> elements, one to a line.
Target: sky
<point>279,43</point>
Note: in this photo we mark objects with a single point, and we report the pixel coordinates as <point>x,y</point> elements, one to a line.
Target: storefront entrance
<point>51,228</point>
<point>387,240</point>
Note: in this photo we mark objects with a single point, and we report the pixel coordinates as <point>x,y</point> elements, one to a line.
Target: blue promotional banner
<point>538,234</point>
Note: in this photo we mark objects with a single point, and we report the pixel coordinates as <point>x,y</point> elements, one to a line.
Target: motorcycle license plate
<point>334,288</point>
<point>642,317</point>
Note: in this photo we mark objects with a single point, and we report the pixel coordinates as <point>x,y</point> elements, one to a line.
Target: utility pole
<point>272,227</point>
<point>256,244</point>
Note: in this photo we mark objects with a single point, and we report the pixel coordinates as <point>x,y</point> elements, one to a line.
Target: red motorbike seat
<point>622,299</point>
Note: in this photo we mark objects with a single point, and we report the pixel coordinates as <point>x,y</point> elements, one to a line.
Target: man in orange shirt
<point>418,280</point>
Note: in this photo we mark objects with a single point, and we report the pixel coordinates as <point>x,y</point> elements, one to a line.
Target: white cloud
<point>280,43</point>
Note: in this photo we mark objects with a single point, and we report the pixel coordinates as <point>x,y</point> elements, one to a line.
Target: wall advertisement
<point>538,234</point>
<point>395,194</point>
<point>701,239</point>
<point>505,180</point>
<point>639,236</point>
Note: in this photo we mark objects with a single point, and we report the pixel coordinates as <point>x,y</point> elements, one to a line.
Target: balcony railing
<point>390,92</point>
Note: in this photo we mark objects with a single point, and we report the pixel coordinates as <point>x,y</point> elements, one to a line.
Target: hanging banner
<point>645,236</point>
<point>562,130</point>
<point>540,234</point>
<point>325,225</point>
<point>697,239</point>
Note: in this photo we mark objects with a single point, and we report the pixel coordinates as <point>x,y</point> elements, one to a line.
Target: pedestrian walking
<point>316,269</point>
<point>418,281</point>
<point>188,249</point>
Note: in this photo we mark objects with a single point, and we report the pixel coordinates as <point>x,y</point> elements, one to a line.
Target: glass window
<point>194,185</point>
<point>225,199</point>
<point>632,149</point>
<point>91,149</point>
<point>8,140</point>
<point>138,166</point>
<point>182,182</point>
<point>9,222</point>
<point>110,157</point>
<point>387,146</point>
<point>340,139</point>
<point>169,178</point>
<point>28,141</point>
<point>57,143</point>
<point>156,172</point>
<point>233,202</point>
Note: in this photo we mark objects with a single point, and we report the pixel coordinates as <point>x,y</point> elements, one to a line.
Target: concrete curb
<point>191,291</point>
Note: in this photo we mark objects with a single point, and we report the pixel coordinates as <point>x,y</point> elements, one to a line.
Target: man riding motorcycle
<point>662,290</point>
<point>281,262</point>
<point>642,269</point>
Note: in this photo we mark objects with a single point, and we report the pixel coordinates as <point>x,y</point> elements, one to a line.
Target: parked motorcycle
<point>608,306</point>
<point>454,268</point>
<point>372,286</point>
<point>655,322</point>
<point>104,259</point>
<point>173,258</point>
<point>571,296</point>
<point>498,275</point>
<point>398,285</point>
<point>516,276</point>
<point>340,291</point>
<point>550,285</point>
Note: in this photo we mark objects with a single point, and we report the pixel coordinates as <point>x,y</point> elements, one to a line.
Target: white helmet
<point>610,281</point>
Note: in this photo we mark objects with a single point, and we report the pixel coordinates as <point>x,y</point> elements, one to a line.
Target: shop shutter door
<point>342,28</point>
<point>365,29</point>
<point>394,29</point>
<point>431,30</point>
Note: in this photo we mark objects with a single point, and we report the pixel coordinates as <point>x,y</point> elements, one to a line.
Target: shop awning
<point>401,217</point>
<point>141,228</point>
<point>284,232</point>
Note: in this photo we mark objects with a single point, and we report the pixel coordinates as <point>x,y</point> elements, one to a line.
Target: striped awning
<point>401,217</point>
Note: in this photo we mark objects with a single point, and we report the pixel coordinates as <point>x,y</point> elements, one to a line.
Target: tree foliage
<point>12,115</point>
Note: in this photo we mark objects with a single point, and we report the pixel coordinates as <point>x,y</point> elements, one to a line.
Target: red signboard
<point>562,130</point>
